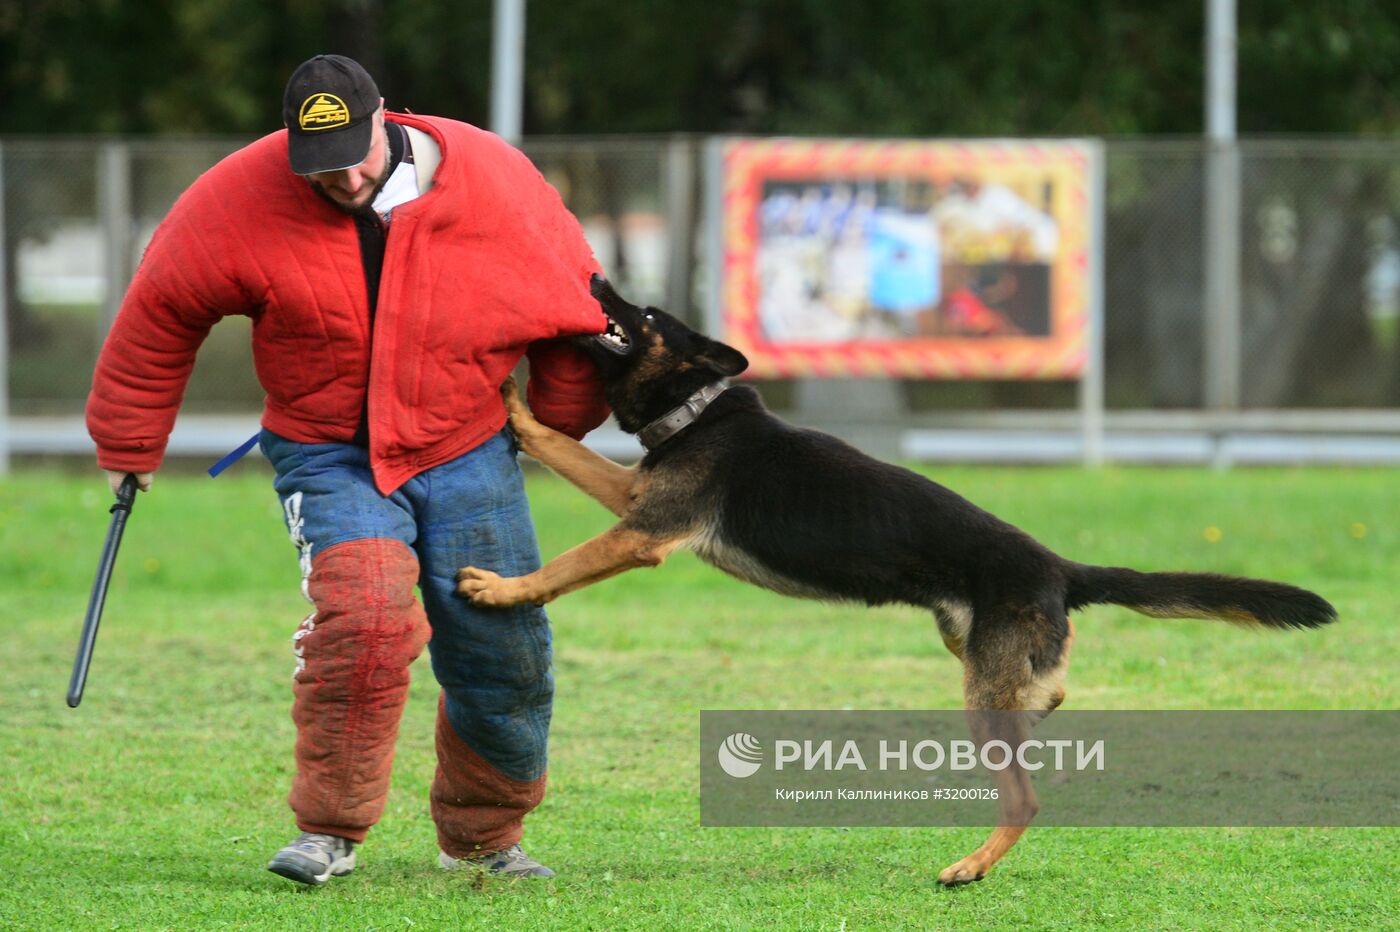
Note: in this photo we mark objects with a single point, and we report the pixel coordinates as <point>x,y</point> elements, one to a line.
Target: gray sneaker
<point>511,862</point>
<point>314,858</point>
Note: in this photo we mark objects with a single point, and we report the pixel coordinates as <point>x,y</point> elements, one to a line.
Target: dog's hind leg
<point>954,622</point>
<point>1014,672</point>
<point>608,482</point>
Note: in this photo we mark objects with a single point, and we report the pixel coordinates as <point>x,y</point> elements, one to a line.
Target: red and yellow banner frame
<point>1064,170</point>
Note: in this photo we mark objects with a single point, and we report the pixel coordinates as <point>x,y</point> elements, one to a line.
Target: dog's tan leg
<point>608,482</point>
<point>612,552</point>
<point>1005,699</point>
<point>1016,800</point>
<point>954,622</point>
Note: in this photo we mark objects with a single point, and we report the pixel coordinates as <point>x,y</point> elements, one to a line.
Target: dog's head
<point>650,361</point>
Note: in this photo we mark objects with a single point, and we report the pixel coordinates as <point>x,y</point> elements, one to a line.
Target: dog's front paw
<point>965,871</point>
<point>484,587</point>
<point>515,405</point>
<point>510,394</point>
<point>522,422</point>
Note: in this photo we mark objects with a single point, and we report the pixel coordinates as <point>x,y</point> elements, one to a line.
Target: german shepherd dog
<point>804,514</point>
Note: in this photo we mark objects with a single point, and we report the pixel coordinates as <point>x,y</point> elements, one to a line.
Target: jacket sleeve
<point>564,391</point>
<point>180,290</point>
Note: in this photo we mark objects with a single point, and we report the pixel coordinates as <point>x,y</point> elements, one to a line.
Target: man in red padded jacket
<point>395,269</point>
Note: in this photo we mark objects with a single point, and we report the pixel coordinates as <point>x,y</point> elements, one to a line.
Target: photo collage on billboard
<point>926,259</point>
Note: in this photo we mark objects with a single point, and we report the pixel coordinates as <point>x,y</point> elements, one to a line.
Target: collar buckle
<point>679,417</point>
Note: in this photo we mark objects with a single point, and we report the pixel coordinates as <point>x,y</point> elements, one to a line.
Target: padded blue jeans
<point>494,665</point>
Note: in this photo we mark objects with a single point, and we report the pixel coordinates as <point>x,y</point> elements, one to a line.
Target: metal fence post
<point>680,227</point>
<point>713,226</point>
<point>1223,344</point>
<point>507,69</point>
<point>115,217</point>
<point>1091,390</point>
<point>4,332</point>
<point>1222,270</point>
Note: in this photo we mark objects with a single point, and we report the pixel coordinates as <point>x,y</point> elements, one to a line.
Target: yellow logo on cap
<point>323,111</point>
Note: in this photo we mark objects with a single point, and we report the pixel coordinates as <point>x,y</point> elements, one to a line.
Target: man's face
<point>353,189</point>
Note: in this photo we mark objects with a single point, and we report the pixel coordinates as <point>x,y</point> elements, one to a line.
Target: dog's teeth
<point>615,336</point>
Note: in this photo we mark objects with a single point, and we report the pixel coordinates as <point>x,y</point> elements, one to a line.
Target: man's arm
<point>140,379</point>
<point>564,390</point>
<point>179,292</point>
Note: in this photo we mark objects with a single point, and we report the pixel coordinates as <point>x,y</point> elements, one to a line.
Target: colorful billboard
<point>907,259</point>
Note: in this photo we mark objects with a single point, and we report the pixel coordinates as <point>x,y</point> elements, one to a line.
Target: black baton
<point>126,494</point>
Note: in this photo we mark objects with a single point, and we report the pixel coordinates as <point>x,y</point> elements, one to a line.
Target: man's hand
<point>115,477</point>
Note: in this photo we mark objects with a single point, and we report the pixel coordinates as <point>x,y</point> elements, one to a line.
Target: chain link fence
<point>1319,274</point>
<point>78,214</point>
<point>1319,266</point>
<point>617,189</point>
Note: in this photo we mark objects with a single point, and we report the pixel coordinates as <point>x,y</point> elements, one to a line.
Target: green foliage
<point>1057,67</point>
<point>1319,67</point>
<point>157,803</point>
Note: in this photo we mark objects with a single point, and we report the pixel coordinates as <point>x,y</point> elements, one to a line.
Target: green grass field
<point>158,802</point>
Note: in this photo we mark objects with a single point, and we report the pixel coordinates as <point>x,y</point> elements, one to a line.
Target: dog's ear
<point>725,360</point>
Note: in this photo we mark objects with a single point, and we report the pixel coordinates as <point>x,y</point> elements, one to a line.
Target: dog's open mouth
<point>614,338</point>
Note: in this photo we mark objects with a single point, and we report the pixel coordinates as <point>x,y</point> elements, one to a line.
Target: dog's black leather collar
<point>678,419</point>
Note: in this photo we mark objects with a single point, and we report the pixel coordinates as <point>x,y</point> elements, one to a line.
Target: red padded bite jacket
<point>485,267</point>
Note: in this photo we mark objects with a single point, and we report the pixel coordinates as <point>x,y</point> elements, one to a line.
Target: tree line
<point>897,67</point>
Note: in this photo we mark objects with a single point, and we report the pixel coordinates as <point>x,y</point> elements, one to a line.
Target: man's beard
<point>367,210</point>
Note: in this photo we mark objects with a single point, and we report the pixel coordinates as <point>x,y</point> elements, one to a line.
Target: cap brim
<point>330,150</point>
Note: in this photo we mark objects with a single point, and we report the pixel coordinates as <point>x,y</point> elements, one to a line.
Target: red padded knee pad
<point>477,809</point>
<point>351,682</point>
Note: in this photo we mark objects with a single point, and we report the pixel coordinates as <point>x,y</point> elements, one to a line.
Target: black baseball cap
<point>328,109</point>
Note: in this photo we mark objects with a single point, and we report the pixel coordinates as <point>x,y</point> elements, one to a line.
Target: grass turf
<point>158,802</point>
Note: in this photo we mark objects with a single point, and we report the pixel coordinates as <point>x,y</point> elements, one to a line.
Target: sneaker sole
<point>299,872</point>
<point>448,863</point>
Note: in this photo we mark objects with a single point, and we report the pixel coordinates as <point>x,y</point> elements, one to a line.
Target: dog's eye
<point>649,316</point>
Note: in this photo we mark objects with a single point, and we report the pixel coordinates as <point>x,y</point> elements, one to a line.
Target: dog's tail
<point>1199,595</point>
